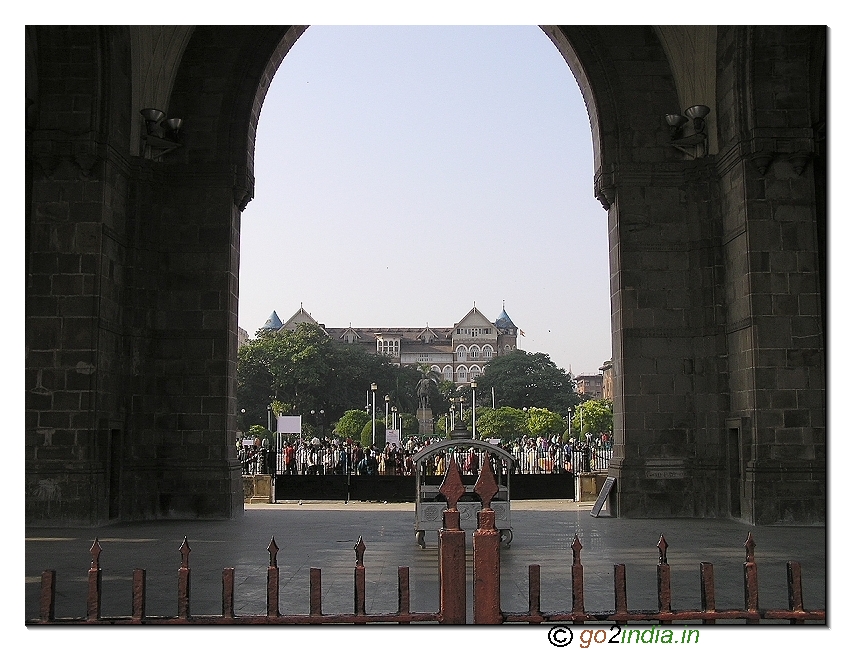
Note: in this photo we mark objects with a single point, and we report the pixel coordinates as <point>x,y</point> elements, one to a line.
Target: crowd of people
<point>333,456</point>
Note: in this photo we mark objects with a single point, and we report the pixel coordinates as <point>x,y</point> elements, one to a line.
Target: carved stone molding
<point>799,161</point>
<point>762,160</point>
<point>49,149</point>
<point>243,189</point>
<point>604,190</point>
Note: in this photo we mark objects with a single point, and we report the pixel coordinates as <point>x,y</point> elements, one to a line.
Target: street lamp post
<point>374,389</point>
<point>569,423</point>
<point>386,414</point>
<point>473,385</point>
<point>269,410</point>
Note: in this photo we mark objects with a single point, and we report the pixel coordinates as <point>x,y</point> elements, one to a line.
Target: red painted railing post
<point>359,578</point>
<point>577,582</point>
<point>452,552</point>
<point>227,591</point>
<point>183,582</point>
<point>621,604</point>
<point>315,592</point>
<point>534,594</point>
<point>47,603</point>
<point>663,574</point>
<point>795,589</point>
<point>706,580</point>
<point>486,561</point>
<point>95,582</point>
<point>273,582</point>
<point>751,580</point>
<point>139,593</point>
<point>403,592</point>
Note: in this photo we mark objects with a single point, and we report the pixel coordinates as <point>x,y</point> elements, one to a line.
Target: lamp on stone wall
<point>675,122</point>
<point>693,142</point>
<point>161,134</point>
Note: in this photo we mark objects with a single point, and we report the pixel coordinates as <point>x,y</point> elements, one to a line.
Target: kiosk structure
<point>430,503</point>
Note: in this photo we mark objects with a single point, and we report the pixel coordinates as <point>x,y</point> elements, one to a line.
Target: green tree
<point>545,423</point>
<point>440,426</point>
<point>409,425</point>
<point>440,397</point>
<point>380,434</point>
<point>523,380</point>
<point>305,370</point>
<point>351,424</point>
<point>593,416</point>
<point>503,423</point>
<point>262,432</point>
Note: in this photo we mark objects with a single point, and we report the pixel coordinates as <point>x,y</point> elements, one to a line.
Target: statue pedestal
<point>426,421</point>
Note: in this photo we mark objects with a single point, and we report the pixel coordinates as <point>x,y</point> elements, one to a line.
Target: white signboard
<point>289,424</point>
<point>393,436</point>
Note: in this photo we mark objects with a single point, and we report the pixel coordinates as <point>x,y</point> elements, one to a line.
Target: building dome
<point>504,321</point>
<point>273,322</point>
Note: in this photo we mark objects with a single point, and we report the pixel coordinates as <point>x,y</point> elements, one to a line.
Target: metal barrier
<point>256,462</point>
<point>452,568</point>
<point>341,460</point>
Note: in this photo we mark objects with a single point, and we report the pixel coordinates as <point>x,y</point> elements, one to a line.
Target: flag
<point>521,332</point>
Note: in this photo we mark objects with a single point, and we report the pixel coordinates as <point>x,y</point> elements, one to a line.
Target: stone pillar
<point>76,262</point>
<point>180,454</point>
<point>426,421</point>
<point>668,347</point>
<point>773,253</point>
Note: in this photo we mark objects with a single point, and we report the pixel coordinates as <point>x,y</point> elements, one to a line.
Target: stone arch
<point>132,265</point>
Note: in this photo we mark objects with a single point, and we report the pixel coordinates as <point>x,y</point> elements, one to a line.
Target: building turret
<point>507,332</point>
<point>273,322</point>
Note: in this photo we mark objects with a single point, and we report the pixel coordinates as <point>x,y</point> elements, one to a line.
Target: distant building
<point>589,385</point>
<point>242,337</point>
<point>458,353</point>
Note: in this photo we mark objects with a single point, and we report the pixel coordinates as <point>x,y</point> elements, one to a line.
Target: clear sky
<point>406,174</point>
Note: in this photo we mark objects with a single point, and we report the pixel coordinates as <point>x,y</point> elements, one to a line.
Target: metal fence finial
<point>95,554</point>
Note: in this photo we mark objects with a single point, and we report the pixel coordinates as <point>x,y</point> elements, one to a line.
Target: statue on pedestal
<point>423,391</point>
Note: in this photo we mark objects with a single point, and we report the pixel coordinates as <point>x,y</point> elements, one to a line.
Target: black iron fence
<point>341,459</point>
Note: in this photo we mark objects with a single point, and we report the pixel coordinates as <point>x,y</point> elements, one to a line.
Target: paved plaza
<point>323,535</point>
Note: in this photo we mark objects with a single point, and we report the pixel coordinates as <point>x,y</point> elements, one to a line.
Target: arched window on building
<point>487,352</point>
<point>460,352</point>
<point>474,372</point>
<point>447,373</point>
<point>461,374</point>
<point>474,351</point>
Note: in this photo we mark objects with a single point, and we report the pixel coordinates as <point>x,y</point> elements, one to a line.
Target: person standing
<point>368,465</point>
<point>470,465</point>
<point>289,459</point>
<point>440,468</point>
